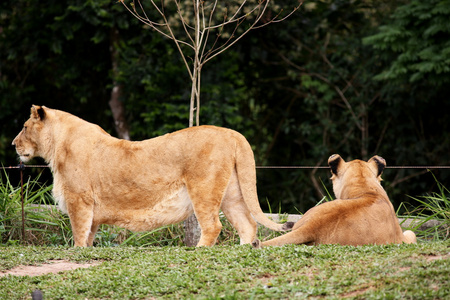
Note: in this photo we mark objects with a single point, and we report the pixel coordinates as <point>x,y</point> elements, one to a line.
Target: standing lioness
<point>362,213</point>
<point>99,179</point>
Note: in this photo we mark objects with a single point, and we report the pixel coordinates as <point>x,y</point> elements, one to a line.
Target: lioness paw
<point>288,226</point>
<point>256,244</point>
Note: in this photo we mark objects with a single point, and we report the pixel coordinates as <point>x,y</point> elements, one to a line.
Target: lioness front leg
<point>81,216</point>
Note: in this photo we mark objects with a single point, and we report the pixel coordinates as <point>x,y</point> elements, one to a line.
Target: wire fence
<point>23,166</point>
<point>327,167</point>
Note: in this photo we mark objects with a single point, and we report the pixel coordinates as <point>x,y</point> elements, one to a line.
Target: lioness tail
<point>246,173</point>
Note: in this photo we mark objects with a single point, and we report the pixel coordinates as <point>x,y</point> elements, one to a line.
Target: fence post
<point>22,168</point>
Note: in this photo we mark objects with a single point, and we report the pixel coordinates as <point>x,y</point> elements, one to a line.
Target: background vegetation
<point>354,77</point>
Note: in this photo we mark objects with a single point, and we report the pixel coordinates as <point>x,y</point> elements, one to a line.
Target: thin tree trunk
<point>192,229</point>
<point>197,108</point>
<point>115,103</point>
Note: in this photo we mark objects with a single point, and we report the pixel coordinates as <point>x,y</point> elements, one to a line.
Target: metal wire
<point>327,167</point>
<point>267,167</point>
<point>24,166</point>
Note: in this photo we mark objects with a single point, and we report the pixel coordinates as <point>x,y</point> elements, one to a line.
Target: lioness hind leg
<point>91,238</point>
<point>210,229</point>
<point>206,209</point>
<point>239,216</point>
<point>300,235</point>
<point>206,195</point>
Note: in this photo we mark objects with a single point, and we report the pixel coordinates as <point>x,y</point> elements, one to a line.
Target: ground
<point>51,266</point>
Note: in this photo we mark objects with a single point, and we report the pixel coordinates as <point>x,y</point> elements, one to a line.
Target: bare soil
<point>51,266</point>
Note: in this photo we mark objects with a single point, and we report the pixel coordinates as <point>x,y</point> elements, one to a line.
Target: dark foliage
<point>299,90</point>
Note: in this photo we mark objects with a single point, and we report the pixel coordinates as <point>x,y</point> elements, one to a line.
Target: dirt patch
<point>357,292</point>
<point>437,257</point>
<point>52,266</point>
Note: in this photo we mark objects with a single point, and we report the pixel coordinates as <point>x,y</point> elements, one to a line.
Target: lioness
<point>99,179</point>
<point>362,214</point>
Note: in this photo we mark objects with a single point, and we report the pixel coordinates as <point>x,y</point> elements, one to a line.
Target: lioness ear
<point>379,163</point>
<point>38,112</point>
<point>334,161</point>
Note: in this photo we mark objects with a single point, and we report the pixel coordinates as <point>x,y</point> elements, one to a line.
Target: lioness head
<point>28,141</point>
<point>355,173</point>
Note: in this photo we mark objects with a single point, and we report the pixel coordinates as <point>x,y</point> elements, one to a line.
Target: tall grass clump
<point>435,209</point>
<point>40,218</point>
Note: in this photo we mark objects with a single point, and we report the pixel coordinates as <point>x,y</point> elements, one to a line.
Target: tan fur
<point>99,179</point>
<point>361,215</point>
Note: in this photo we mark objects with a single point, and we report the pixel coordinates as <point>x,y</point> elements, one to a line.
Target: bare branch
<point>212,52</point>
<point>234,18</point>
<point>276,20</point>
<point>153,25</point>
<point>259,16</point>
<point>208,30</point>
<point>185,24</point>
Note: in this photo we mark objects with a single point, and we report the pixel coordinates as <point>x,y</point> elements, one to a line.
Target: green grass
<point>436,207</point>
<point>419,271</point>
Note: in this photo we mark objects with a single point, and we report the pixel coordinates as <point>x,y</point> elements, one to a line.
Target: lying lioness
<point>362,213</point>
<point>99,179</point>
